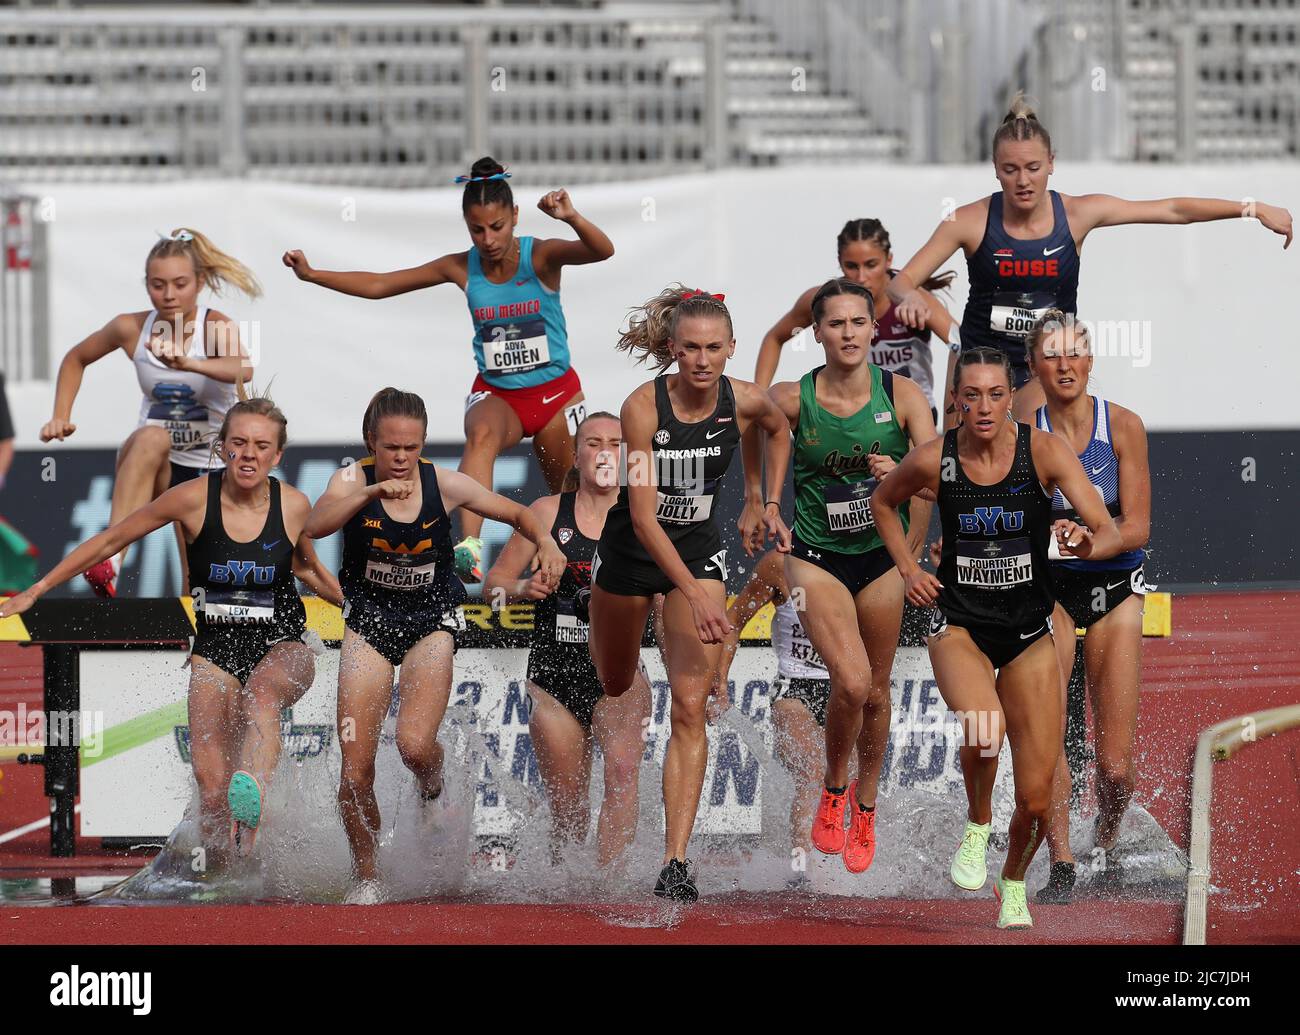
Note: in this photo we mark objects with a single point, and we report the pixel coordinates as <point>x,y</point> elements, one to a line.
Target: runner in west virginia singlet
<point>398,578</point>
<point>245,599</point>
<point>994,569</point>
<point>689,462</point>
<point>560,661</point>
<point>1013,282</point>
<point>1075,580</point>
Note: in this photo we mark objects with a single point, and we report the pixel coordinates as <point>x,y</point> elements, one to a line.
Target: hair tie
<point>503,175</point>
<point>181,235</point>
<point>697,293</point>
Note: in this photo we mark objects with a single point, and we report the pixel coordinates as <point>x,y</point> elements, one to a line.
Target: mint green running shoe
<point>968,870</point>
<point>469,559</point>
<point>244,796</point>
<point>1015,910</point>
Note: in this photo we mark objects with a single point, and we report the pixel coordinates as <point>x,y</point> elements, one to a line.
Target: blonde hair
<point>212,266</point>
<point>653,325</point>
<point>572,477</point>
<point>1057,320</point>
<point>1020,123</point>
<point>258,406</point>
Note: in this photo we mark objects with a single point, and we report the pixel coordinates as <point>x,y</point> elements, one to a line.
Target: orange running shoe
<point>828,824</point>
<point>860,848</point>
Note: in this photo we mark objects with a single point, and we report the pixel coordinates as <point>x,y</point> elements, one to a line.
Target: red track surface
<point>1230,654</point>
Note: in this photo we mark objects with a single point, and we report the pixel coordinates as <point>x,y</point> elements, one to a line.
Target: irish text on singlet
<point>689,462</point>
<point>401,564</point>
<point>1013,282</point>
<point>556,626</point>
<point>994,567</point>
<point>243,585</point>
<point>832,479</point>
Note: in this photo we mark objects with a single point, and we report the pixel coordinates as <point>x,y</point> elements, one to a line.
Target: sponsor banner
<point>141,781</point>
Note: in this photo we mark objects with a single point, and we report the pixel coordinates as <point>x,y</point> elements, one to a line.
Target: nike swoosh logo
<point>1025,636</point>
<point>1117,585</point>
<point>548,399</point>
<point>1098,470</point>
<point>270,546</point>
<point>1017,488</point>
<point>426,524</point>
<point>1053,251</point>
<point>713,434</point>
<point>521,283</point>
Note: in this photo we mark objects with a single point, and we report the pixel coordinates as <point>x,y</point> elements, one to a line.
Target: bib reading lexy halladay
<point>398,569</point>
<point>236,606</point>
<point>569,628</point>
<point>994,563</point>
<point>515,346</point>
<point>1014,314</point>
<point>848,506</point>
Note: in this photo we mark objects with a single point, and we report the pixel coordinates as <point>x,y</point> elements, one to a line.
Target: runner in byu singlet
<point>401,607</point>
<point>569,715</point>
<point>1102,597</point>
<point>990,637</point>
<point>799,693</point>
<point>1022,243</point>
<point>246,544</point>
<point>680,431</point>
<point>526,386</point>
<point>187,358</point>
<point>866,258</point>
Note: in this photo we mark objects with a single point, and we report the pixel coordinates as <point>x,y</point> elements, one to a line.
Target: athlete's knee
<point>1034,798</point>
<point>356,781</point>
<point>481,435</point>
<point>417,749</point>
<point>622,769</point>
<point>689,712</point>
<point>854,688</point>
<point>615,682</point>
<point>148,443</point>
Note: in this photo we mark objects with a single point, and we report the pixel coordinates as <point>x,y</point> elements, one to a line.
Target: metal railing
<point>24,289</point>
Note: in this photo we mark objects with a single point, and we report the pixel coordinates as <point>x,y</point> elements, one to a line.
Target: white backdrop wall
<point>1212,294</point>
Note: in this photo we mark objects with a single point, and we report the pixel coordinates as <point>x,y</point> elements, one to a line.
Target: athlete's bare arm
<point>121,332</point>
<point>502,584</point>
<point>1128,437</point>
<point>345,495</point>
<point>460,490</point>
<point>769,352</point>
<point>919,472</point>
<point>447,269</point>
<point>913,409</point>
<point>552,254</point>
<point>295,507</point>
<point>1095,537</point>
<point>755,406</point>
<point>964,230</point>
<point>226,358</point>
<point>1089,211</point>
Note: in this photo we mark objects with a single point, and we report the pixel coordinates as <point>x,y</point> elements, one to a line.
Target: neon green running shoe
<point>469,559</point>
<point>1015,910</point>
<point>968,870</point>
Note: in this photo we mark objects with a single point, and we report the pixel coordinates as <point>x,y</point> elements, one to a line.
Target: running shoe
<point>676,883</point>
<point>828,824</point>
<point>102,578</point>
<point>469,559</point>
<point>860,847</point>
<point>1015,910</point>
<point>1059,889</point>
<point>968,870</point>
<point>244,796</point>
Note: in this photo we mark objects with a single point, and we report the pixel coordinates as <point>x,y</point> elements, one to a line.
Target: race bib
<point>516,346</point>
<point>174,409</point>
<point>994,563</point>
<point>397,571</point>
<point>1014,315</point>
<point>236,606</point>
<point>848,506</point>
<point>569,628</point>
<point>684,510</point>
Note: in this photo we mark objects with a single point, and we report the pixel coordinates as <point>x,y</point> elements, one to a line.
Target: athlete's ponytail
<point>653,325</point>
<point>980,356</point>
<point>873,230</point>
<point>391,402</point>
<point>1020,123</point>
<point>213,267</point>
<point>836,287</point>
<point>486,185</point>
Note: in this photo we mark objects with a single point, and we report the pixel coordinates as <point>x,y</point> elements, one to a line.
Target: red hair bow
<point>696,292</point>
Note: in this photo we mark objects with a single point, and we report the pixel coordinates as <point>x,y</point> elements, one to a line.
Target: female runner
<point>526,387</point>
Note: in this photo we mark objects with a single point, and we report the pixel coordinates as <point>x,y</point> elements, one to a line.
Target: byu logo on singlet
<point>985,521</point>
<point>236,573</point>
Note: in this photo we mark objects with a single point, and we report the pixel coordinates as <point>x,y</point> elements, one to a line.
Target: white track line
<point>17,832</point>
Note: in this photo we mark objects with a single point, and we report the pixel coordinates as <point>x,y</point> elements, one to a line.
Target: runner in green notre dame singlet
<point>852,423</point>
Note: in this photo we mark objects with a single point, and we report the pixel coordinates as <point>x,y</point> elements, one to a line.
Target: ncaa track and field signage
<point>140,781</point>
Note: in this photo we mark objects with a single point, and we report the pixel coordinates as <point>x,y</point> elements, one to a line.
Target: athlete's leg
<point>214,736</point>
<point>966,684</point>
<point>691,666</point>
<point>1112,654</point>
<point>619,725</point>
<point>829,617</point>
<point>365,692</point>
<point>553,445</point>
<point>563,751</point>
<point>801,748</point>
<point>143,471</point>
<point>1058,825</point>
<point>615,637</point>
<point>491,427</point>
<point>423,691</point>
<point>880,616</point>
<point>1030,690</point>
<point>277,682</point>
